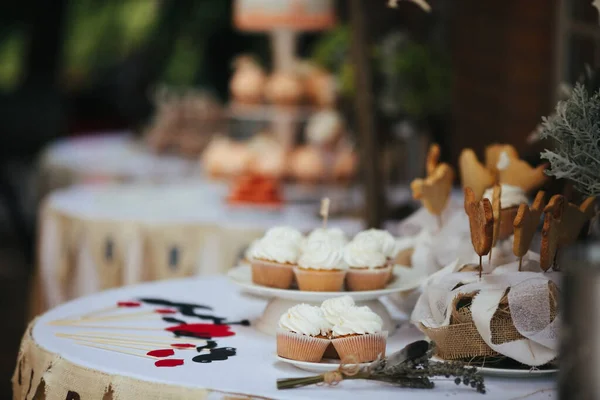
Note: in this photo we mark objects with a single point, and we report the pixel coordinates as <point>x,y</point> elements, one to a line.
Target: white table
<point>107,157</point>
<point>96,237</point>
<point>66,366</point>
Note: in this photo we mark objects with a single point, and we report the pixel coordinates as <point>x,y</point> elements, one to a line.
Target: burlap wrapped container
<point>461,340</point>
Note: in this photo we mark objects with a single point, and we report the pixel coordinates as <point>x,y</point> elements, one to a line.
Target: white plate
<point>406,279</point>
<point>324,366</point>
<point>511,373</point>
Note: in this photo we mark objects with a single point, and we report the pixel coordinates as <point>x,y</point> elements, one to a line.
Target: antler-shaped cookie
<point>525,224</point>
<point>473,174</point>
<point>520,173</point>
<point>481,223</point>
<point>553,214</point>
<point>496,208</point>
<point>434,191</point>
<point>573,220</point>
<point>492,154</point>
<point>433,158</point>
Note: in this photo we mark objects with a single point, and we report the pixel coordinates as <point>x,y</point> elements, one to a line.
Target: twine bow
<point>348,367</point>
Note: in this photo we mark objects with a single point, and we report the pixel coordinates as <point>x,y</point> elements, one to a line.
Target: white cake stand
<point>406,279</point>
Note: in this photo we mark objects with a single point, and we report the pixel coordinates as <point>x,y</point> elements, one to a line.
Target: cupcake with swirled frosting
<point>321,267</point>
<point>303,334</point>
<point>358,332</point>
<point>286,233</point>
<point>381,241</point>
<point>334,234</point>
<point>368,267</point>
<point>273,259</point>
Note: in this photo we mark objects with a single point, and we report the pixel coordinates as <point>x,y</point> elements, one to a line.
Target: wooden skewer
<point>78,324</point>
<point>129,353</point>
<point>120,305</point>
<point>110,343</point>
<point>131,335</point>
<point>158,311</point>
<point>123,340</point>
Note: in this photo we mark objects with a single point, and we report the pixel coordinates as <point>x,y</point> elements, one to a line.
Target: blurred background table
<point>107,157</point>
<point>95,237</point>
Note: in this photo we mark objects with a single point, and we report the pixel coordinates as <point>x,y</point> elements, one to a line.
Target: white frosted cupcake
<point>335,307</point>
<point>336,235</point>
<point>321,267</point>
<point>303,334</point>
<point>368,268</point>
<point>381,241</point>
<point>359,332</point>
<point>286,233</point>
<point>248,252</point>
<point>273,260</point>
<point>332,310</point>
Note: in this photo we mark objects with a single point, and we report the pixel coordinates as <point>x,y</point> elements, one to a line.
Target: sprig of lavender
<point>407,368</point>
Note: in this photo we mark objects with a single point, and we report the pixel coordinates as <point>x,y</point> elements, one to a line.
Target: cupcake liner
<point>272,274</point>
<point>300,347</point>
<point>365,348</point>
<point>320,280</point>
<point>331,352</point>
<point>507,219</point>
<point>368,279</point>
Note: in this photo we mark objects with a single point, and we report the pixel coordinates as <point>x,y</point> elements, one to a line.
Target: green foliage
<point>332,52</point>
<point>12,52</point>
<point>98,33</point>
<point>415,77</point>
<point>183,63</point>
<point>575,130</point>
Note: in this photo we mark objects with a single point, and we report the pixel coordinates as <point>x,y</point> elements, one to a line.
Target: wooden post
<point>368,138</point>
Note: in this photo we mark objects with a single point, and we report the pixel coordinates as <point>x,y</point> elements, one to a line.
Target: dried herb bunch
<point>575,129</point>
<point>408,368</point>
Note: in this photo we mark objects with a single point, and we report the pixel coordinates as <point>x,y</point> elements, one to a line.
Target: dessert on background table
<point>185,122</point>
<point>256,190</point>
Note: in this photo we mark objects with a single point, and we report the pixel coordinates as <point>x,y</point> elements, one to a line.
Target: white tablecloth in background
<point>107,157</point>
<point>252,371</point>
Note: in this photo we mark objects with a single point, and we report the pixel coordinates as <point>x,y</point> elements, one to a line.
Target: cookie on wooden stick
<point>473,174</point>
<point>496,208</point>
<point>525,225</point>
<point>434,191</point>
<point>553,213</point>
<point>481,224</point>
<point>520,173</point>
<point>433,159</point>
<point>574,218</point>
<point>492,154</point>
